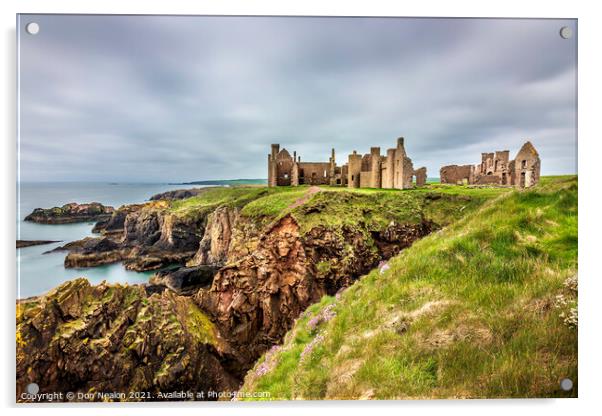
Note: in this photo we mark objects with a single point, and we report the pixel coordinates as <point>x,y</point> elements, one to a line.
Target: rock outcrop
<point>185,280</point>
<point>112,338</point>
<point>177,194</point>
<point>29,243</point>
<point>71,213</point>
<point>214,246</point>
<point>116,222</point>
<point>256,299</point>
<point>144,237</point>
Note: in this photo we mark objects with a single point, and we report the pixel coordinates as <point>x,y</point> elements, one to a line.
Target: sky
<point>183,98</point>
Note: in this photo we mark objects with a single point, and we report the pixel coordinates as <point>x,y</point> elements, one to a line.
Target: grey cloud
<point>151,98</point>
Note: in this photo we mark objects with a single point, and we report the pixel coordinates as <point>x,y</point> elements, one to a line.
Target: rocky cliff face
<point>256,299</point>
<point>70,213</point>
<point>251,279</point>
<point>215,244</point>
<point>144,237</point>
<point>86,339</point>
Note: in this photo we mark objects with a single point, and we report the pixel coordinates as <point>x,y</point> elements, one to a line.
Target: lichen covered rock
<point>215,244</point>
<point>112,338</point>
<point>71,213</point>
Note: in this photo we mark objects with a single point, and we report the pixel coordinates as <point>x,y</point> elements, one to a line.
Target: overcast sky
<point>165,99</point>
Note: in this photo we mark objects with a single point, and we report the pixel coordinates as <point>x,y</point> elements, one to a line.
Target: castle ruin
<point>371,170</point>
<point>497,169</point>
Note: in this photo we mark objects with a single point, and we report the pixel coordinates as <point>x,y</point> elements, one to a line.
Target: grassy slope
<point>336,206</point>
<point>469,311</point>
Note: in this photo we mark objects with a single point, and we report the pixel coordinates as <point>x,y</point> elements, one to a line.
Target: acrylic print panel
<point>278,208</point>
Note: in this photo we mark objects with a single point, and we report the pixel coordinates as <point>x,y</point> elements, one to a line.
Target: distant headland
<point>225,182</point>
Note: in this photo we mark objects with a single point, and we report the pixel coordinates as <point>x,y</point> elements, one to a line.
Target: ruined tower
<point>353,170</point>
<point>388,173</point>
<point>272,166</point>
<point>332,169</point>
<point>374,167</point>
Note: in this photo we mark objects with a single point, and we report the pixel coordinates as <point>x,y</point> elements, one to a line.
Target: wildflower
<point>313,323</point>
<point>309,347</point>
<point>324,315</point>
<point>269,361</point>
<point>571,283</point>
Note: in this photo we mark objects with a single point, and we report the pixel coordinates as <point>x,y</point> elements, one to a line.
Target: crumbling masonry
<point>497,169</point>
<point>372,170</point>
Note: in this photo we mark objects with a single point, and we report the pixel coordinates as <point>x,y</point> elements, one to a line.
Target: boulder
<point>71,213</point>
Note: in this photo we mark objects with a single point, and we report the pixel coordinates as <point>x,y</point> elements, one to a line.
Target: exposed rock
<point>29,243</point>
<point>70,213</point>
<point>144,237</point>
<point>256,299</point>
<point>116,222</point>
<point>91,252</point>
<point>214,246</point>
<point>396,237</point>
<point>185,280</point>
<point>72,245</point>
<point>155,227</point>
<point>113,338</point>
<point>177,194</point>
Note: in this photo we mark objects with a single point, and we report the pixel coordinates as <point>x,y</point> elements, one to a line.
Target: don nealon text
<point>140,395</point>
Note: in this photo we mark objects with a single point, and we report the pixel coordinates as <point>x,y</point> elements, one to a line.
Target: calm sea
<point>37,273</point>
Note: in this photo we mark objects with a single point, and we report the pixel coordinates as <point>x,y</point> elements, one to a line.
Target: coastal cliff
<point>247,262</point>
<point>81,338</point>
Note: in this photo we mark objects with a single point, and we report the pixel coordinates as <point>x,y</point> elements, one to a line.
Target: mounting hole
<point>32,388</point>
<point>566,32</point>
<point>32,28</point>
<point>566,384</point>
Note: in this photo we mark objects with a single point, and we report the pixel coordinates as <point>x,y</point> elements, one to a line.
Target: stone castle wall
<point>497,169</point>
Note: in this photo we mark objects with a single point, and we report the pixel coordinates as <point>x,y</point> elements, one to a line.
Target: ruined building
<point>287,170</point>
<point>372,170</point>
<point>497,168</point>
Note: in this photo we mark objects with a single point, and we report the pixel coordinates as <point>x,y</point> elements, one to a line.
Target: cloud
<point>163,99</point>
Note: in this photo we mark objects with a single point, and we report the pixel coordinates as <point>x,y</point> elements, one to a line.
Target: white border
<point>590,277</point>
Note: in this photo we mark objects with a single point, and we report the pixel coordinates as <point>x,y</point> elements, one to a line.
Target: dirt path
<point>311,191</point>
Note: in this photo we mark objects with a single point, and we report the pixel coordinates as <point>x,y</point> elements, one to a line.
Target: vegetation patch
<point>481,308</point>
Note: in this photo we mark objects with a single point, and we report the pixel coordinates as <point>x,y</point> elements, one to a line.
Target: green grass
<point>371,209</point>
<point>469,311</point>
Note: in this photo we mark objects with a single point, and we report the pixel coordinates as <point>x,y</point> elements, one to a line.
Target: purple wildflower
<point>313,323</point>
<point>324,315</point>
<point>269,362</point>
<point>309,347</point>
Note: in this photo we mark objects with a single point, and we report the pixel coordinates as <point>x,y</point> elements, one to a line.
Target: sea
<point>39,271</point>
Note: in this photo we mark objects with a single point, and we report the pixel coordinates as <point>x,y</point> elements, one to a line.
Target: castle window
<point>324,173</point>
<point>286,176</point>
<point>523,164</point>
